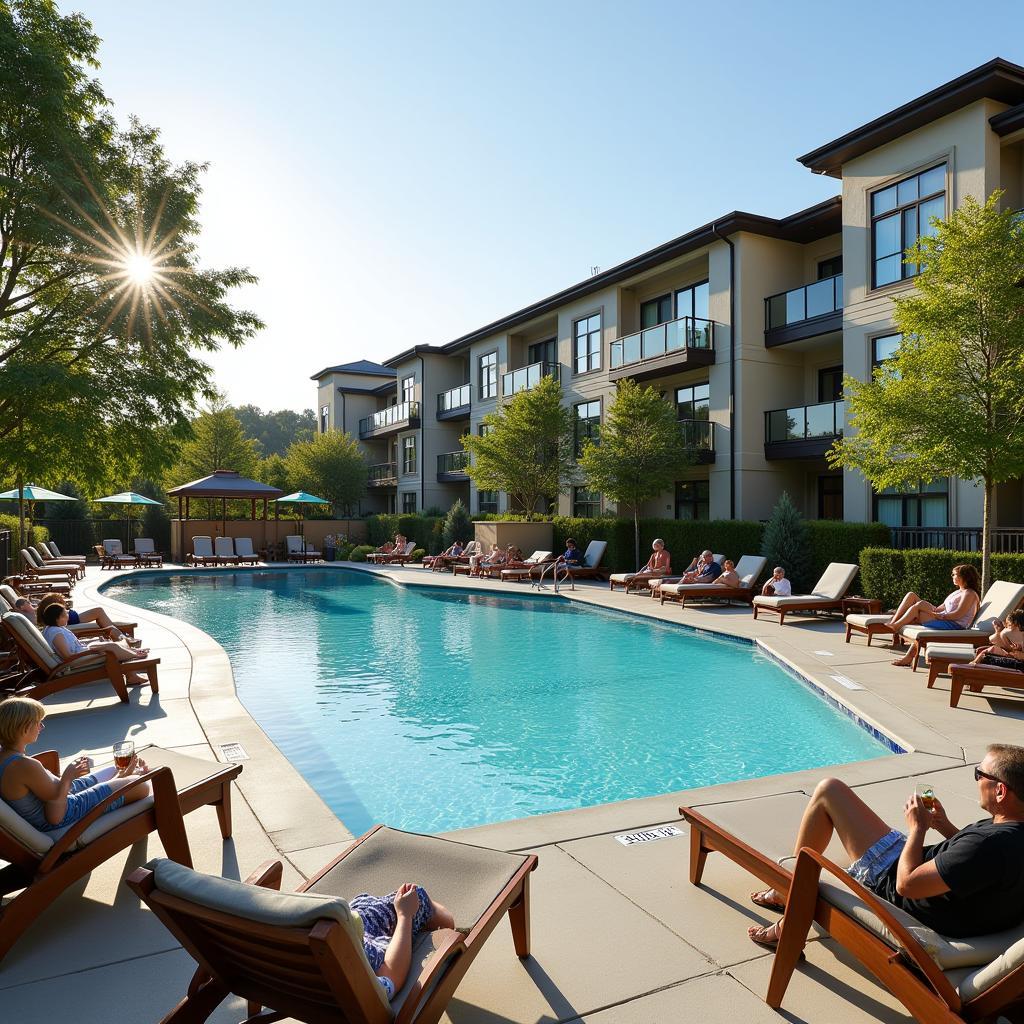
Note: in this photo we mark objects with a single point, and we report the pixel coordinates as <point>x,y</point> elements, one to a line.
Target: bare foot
<point>768,935</point>
<point>769,899</point>
<point>903,662</point>
<point>135,679</point>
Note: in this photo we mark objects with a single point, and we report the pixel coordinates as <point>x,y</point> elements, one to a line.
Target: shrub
<point>787,542</point>
<point>882,575</point>
<point>360,551</point>
<point>417,555</point>
<point>457,525</point>
<point>419,528</point>
<point>36,534</point>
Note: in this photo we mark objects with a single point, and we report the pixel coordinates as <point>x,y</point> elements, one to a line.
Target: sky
<point>402,173</point>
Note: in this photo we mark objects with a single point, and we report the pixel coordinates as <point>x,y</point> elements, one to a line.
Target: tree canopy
<point>951,400</point>
<point>276,430</point>
<point>330,466</point>
<point>217,442</point>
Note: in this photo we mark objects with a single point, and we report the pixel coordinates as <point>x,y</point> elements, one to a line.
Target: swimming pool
<point>433,710</point>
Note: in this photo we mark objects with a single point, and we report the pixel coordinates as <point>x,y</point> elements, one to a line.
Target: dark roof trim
<point>817,221</point>
<point>363,366</point>
<point>380,389</point>
<point>415,351</point>
<point>1008,121</point>
<point>998,79</point>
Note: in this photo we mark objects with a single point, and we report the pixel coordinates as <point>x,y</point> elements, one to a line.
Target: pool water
<point>432,710</point>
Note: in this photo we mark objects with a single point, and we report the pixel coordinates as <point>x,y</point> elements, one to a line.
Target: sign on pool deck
<point>649,835</point>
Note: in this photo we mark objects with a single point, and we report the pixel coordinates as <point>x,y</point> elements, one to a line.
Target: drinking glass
<point>926,795</point>
<point>123,752</point>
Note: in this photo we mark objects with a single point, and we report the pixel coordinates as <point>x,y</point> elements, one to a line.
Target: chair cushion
<point>971,982</point>
<point>997,602</point>
<point>12,824</point>
<point>594,553</point>
<point>949,635</point>
<point>464,878</point>
<point>621,577</point>
<point>952,652</point>
<point>30,636</point>
<point>867,620</point>
<point>835,580</point>
<point>796,601</point>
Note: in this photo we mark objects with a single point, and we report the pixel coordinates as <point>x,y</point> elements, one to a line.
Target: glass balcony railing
<point>389,417</point>
<point>688,332</point>
<point>805,303</point>
<point>456,398</point>
<point>804,422</point>
<point>383,473</point>
<point>453,462</point>
<point>698,435</point>
<point>526,377</point>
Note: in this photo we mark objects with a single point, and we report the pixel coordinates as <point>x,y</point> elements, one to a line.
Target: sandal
<point>763,899</point>
<point>767,935</point>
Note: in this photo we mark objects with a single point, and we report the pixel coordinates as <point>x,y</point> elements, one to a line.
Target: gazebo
<point>224,484</point>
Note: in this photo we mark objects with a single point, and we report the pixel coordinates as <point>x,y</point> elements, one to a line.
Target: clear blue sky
<point>402,173</point>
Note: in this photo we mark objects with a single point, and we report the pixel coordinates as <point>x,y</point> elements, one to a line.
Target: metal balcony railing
<point>453,462</point>
<point>804,422</point>
<point>526,377</point>
<point>455,398</point>
<point>389,417</point>
<point>804,303</point>
<point>383,473</point>
<point>698,435</point>
<point>688,332</point>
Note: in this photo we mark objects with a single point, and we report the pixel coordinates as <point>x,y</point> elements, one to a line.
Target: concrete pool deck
<point>619,935</point>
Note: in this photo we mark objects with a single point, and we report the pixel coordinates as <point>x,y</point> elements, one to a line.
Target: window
<point>408,502</point>
<point>391,505</point>
<point>884,348</point>
<point>830,496</point>
<point>900,214</point>
<point>409,454</point>
<point>586,335</point>
<point>489,375</point>
<point>693,403</point>
<point>542,352</point>
<point>325,412</point>
<point>831,267</point>
<point>655,311</point>
<point>693,301</point>
<point>830,387</point>
<point>588,424</point>
<point>920,504</point>
<point>586,504</point>
<point>409,389</point>
<point>693,499</point>
<point>487,501</point>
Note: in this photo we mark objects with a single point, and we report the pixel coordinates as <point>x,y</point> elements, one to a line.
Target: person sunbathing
<point>972,883</point>
<point>479,563</point>
<point>658,566</point>
<point>91,616</point>
<point>66,645</point>
<point>1007,644</point>
<point>956,612</point>
<point>707,570</point>
<point>729,578</point>
<point>44,800</point>
<point>450,554</point>
<point>778,585</point>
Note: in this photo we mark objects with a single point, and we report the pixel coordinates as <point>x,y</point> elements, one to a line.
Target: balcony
<point>683,344</point>
<point>806,312</point>
<point>803,432</point>
<point>454,404</point>
<point>384,474</point>
<point>451,467</point>
<point>405,416</point>
<point>526,377</point>
<point>699,440</point>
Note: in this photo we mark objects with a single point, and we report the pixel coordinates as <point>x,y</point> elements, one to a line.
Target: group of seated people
<point>395,547</point>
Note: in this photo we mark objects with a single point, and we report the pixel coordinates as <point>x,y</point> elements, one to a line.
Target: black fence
<point>78,536</point>
<point>1005,540</point>
<point>6,543</point>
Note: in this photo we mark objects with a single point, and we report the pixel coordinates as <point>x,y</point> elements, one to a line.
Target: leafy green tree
<point>528,452</point>
<point>951,401</point>
<point>105,312</point>
<point>457,525</point>
<point>273,470</point>
<point>217,442</point>
<point>275,431</point>
<point>640,453</point>
<point>787,542</point>
<point>330,466</point>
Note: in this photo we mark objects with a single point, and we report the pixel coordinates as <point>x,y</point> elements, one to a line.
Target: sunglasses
<point>979,775</point>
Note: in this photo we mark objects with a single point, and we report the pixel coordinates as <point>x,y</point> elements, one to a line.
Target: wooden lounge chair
<point>299,551</point>
<point>44,555</point>
<point>399,557</point>
<point>36,588</point>
<point>224,551</point>
<point>8,600</point>
<point>976,677</point>
<point>531,568</point>
<point>827,595</point>
<point>591,569</point>
<point>939,980</point>
<point>36,569</point>
<point>244,552</point>
<point>113,556</point>
<point>56,552</point>
<point>655,584</point>
<point>300,954</point>
<point>146,552</point>
<point>44,864</point>
<point>202,552</point>
<point>48,674</point>
<point>749,569</point>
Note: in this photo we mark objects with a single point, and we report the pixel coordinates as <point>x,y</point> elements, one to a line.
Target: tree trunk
<point>21,510</point>
<point>986,536</point>
<point>636,535</point>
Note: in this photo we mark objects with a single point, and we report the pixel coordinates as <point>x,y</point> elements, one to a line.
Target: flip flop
<point>760,937</point>
<point>759,900</point>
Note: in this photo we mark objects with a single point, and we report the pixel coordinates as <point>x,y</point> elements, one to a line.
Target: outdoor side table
<point>863,605</point>
<point>939,658</point>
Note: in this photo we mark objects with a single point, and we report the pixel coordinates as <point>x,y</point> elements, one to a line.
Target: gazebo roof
<point>225,483</point>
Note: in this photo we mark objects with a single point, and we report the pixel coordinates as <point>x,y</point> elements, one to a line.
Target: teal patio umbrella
<point>302,498</point>
<point>128,499</point>
<point>31,493</point>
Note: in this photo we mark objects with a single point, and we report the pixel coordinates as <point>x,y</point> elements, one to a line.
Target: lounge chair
<point>113,556</point>
<point>634,580</point>
<point>47,673</point>
<point>655,584</point>
<point>976,677</point>
<point>8,599</point>
<point>300,954</point>
<point>47,557</point>
<point>34,588</point>
<point>399,557</point>
<point>202,552</point>
<point>749,569</point>
<point>45,864</point>
<point>591,568</point>
<point>146,552</point>
<point>224,551</point>
<point>939,980</point>
<point>56,552</point>
<point>34,567</point>
<point>244,552</point>
<point>298,551</point>
<point>827,595</point>
<point>532,567</point>
<point>998,601</point>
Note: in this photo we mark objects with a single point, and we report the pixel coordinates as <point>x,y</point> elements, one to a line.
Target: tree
<point>217,442</point>
<point>640,453</point>
<point>330,466</point>
<point>273,470</point>
<point>787,542</point>
<point>105,312</point>
<point>951,401</point>
<point>275,431</point>
<point>457,525</point>
<point>528,451</point>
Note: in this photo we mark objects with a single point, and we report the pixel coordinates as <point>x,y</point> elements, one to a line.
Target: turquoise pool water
<point>431,711</point>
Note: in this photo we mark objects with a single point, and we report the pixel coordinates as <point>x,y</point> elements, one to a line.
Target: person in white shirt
<point>778,585</point>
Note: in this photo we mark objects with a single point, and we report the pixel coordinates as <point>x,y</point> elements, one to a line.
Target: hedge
<point>38,534</point>
<point>425,530</point>
<point>888,574</point>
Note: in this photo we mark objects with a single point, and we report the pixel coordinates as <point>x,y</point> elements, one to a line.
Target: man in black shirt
<point>970,884</point>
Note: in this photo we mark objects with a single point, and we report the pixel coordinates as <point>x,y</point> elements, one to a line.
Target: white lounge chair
<point>299,551</point>
<point>749,569</point>
<point>827,595</point>
<point>202,552</point>
<point>224,551</point>
<point>538,558</point>
<point>147,553</point>
<point>244,552</point>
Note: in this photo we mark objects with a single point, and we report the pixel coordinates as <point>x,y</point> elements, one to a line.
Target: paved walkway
<point>619,935</point>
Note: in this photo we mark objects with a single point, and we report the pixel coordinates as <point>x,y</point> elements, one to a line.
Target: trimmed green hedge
<point>38,534</point>
<point>888,574</point>
<point>425,530</point>
<point>360,551</point>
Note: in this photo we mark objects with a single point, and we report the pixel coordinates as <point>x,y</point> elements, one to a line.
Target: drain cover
<point>233,752</point>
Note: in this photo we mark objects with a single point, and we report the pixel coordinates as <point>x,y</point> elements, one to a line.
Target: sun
<point>139,268</point>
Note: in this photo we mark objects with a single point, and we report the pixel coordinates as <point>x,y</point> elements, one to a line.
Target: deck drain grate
<point>648,835</point>
<point>233,752</point>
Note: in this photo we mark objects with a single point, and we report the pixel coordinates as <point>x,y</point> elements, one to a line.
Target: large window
<point>830,496</point>
<point>693,499</point>
<point>586,504</point>
<point>693,403</point>
<point>900,214</point>
<point>920,504</point>
<point>693,301</point>
<point>487,501</point>
<point>588,424</point>
<point>409,389</point>
<point>884,348</point>
<point>830,385</point>
<point>409,454</point>
<point>656,311</point>
<point>830,267</point>
<point>586,340</point>
<point>489,375</point>
<point>325,412</point>
<point>408,502</point>
<point>542,352</point>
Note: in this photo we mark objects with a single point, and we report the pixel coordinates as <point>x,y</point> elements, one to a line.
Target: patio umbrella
<point>31,493</point>
<point>302,498</point>
<point>127,498</point>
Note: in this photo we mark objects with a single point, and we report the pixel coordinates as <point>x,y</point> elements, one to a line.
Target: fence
<point>1005,540</point>
<point>5,553</point>
<point>77,536</point>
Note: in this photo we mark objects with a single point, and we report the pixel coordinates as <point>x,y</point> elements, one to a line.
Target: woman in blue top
<point>572,555</point>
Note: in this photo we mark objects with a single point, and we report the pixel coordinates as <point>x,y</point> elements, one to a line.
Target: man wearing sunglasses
<point>972,883</point>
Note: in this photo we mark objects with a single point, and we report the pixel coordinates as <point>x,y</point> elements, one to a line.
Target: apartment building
<point>745,324</point>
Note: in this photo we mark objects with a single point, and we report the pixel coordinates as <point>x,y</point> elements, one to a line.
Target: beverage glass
<point>123,754</point>
<point>926,795</point>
